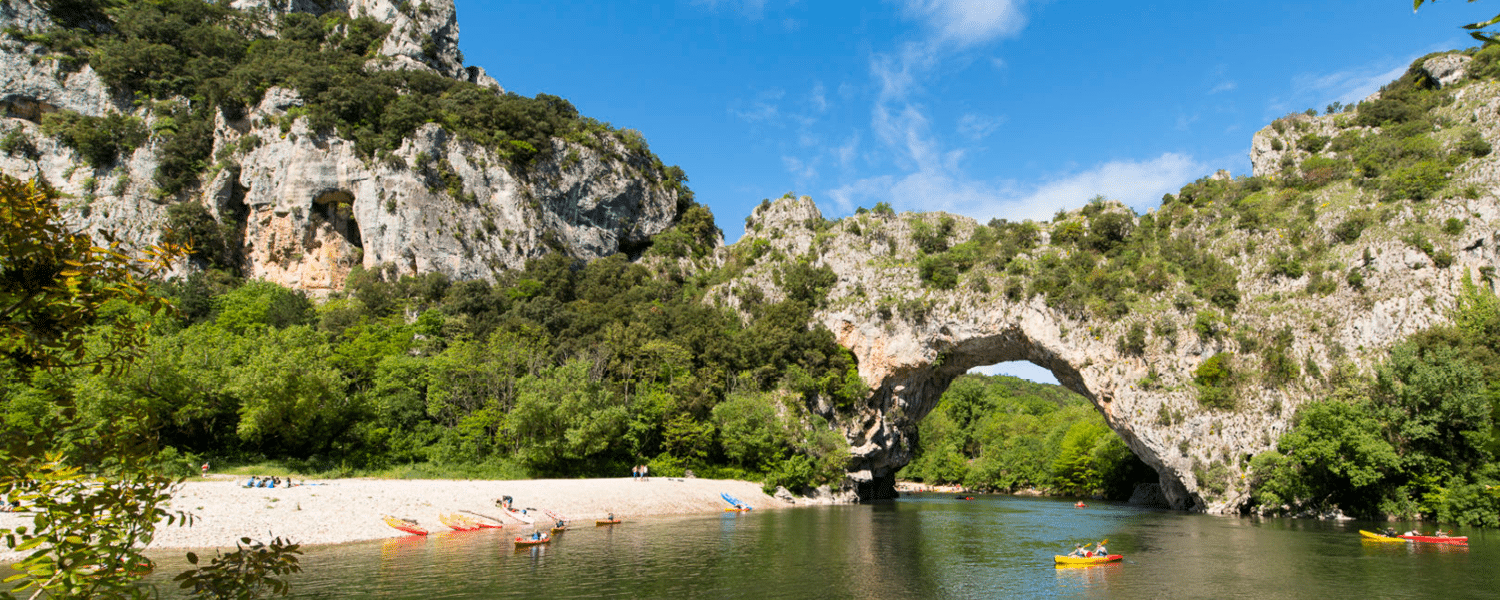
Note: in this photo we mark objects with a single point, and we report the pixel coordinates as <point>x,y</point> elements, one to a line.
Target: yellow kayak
<point>1375,537</point>
<point>1091,560</point>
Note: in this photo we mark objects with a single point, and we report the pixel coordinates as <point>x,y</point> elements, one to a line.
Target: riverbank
<point>337,511</point>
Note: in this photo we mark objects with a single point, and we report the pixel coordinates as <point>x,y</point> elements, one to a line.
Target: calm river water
<point>921,546</point>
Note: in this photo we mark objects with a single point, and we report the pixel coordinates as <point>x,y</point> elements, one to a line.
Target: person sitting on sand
<point>251,482</point>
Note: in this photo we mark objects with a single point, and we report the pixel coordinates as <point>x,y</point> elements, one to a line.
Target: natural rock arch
<point>911,340</point>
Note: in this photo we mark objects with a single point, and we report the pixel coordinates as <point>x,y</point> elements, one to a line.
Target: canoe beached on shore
<point>405,525</point>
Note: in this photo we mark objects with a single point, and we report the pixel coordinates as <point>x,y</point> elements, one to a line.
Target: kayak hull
<point>1091,560</point>
<point>1431,539</point>
<point>522,542</point>
<point>606,522</point>
<point>1371,536</point>
<point>405,526</point>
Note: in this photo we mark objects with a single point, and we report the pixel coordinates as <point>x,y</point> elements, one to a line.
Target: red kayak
<point>1433,539</point>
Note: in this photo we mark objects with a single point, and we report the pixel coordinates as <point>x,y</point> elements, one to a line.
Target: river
<point>921,546</point>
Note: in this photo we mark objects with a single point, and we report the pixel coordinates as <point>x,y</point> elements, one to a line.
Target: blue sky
<point>1001,108</point>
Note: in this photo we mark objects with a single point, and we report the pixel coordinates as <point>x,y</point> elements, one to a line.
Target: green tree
<point>1476,30</point>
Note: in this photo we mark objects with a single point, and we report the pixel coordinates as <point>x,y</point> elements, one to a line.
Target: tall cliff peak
<point>294,140</point>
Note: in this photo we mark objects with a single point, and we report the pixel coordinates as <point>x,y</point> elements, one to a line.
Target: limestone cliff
<point>1286,329</point>
<point>304,204</point>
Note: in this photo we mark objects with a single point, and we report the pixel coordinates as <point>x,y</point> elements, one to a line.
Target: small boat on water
<point>1370,536</point>
<point>1079,505</point>
<point>1437,539</point>
<point>406,525</point>
<point>523,541</point>
<point>598,522</point>
<point>559,529</point>
<point>963,497</point>
<point>1085,560</point>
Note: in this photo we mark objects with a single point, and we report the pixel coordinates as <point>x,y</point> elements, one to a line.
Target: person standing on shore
<point>205,468</point>
<point>645,472</point>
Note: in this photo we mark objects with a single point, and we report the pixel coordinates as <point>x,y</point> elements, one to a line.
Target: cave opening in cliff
<point>336,209</point>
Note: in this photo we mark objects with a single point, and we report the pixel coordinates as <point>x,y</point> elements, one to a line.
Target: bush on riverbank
<point>1417,440</point>
<point>563,369</point>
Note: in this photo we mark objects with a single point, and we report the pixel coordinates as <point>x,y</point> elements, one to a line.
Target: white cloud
<point>966,23</point>
<point>1226,86</point>
<point>1139,184</point>
<point>1349,86</point>
<point>802,171</point>
<point>978,127</point>
<point>765,107</point>
<point>818,97</point>
<point>1186,121</point>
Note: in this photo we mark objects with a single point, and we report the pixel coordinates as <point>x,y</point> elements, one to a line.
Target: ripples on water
<point>922,546</point>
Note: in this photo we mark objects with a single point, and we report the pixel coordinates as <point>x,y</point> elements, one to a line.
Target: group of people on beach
<point>1080,552</point>
<point>268,482</point>
<point>639,473</point>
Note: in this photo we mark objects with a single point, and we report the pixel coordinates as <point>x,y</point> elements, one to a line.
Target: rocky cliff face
<point>307,206</point>
<point>912,339</point>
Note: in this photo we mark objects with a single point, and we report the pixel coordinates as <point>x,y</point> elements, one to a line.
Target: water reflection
<point>917,547</point>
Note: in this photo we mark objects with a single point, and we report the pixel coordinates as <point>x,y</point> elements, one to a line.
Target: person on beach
<point>635,473</point>
<point>205,468</point>
<point>251,482</point>
<point>645,473</point>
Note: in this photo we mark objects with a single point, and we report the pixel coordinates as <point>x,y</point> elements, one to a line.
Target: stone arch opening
<point>907,393</point>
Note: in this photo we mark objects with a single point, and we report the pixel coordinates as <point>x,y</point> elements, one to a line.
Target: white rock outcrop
<point>307,205</point>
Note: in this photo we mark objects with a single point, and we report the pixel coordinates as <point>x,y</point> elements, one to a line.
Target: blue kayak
<point>736,502</point>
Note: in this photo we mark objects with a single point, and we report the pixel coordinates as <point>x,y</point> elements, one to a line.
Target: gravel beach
<point>349,510</point>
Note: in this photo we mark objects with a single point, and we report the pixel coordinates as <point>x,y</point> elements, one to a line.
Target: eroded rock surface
<point>307,205</point>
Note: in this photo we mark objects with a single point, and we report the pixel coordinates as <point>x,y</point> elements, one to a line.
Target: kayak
<point>489,523</point>
<point>530,542</point>
<point>1370,536</point>
<point>458,522</point>
<point>1091,560</point>
<point>1079,505</point>
<point>734,501</point>
<point>1432,539</point>
<point>559,529</point>
<point>404,525</point>
<point>598,522</point>
<point>740,509</point>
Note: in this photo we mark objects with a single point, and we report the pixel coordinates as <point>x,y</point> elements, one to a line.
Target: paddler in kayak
<point>1099,549</point>
<point>1078,552</point>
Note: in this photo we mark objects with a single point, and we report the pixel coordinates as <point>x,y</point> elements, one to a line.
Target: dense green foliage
<point>1419,439</point>
<point>185,60</point>
<point>563,369</point>
<point>1003,433</point>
